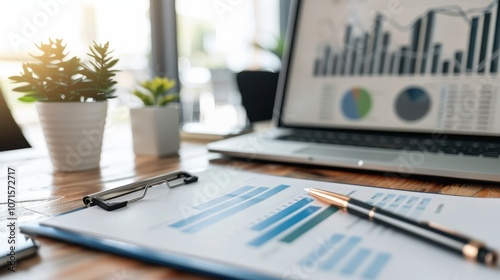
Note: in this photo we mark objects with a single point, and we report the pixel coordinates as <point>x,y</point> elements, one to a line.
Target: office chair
<point>258,91</point>
<point>11,137</point>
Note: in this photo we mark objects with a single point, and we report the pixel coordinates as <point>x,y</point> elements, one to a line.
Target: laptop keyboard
<point>453,147</point>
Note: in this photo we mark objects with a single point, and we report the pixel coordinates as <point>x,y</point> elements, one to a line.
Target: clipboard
<point>255,226</point>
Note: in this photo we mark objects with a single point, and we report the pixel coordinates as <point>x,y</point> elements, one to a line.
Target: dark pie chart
<point>412,104</point>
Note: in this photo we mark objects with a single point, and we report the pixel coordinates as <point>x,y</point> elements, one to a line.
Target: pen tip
<point>307,189</point>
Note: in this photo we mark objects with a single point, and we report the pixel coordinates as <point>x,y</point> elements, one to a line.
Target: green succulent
<point>54,77</point>
<point>155,92</point>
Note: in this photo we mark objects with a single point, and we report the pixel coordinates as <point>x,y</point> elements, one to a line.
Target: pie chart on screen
<point>412,104</point>
<point>356,103</point>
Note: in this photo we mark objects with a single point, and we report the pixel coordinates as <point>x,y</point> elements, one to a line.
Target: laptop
<point>403,88</point>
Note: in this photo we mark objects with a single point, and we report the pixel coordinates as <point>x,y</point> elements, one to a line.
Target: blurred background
<point>215,40</point>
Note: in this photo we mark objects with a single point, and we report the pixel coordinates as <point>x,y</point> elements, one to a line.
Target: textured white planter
<point>73,132</point>
<point>155,130</point>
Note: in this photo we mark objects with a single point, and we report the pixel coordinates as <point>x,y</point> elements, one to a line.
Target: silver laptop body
<point>400,92</point>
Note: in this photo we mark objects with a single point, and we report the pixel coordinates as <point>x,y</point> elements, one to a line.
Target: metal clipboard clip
<point>101,198</point>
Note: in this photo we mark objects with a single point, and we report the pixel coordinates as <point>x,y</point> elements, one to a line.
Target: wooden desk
<point>42,193</point>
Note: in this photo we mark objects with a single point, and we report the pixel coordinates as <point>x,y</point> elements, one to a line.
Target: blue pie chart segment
<point>412,104</point>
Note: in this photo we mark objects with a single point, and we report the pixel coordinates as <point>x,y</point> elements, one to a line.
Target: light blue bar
<point>334,259</point>
<point>408,205</point>
<point>223,198</point>
<point>261,240</point>
<point>231,211</point>
<point>319,252</point>
<point>282,214</point>
<point>385,200</point>
<point>396,203</point>
<point>220,207</point>
<point>376,266</point>
<point>375,198</point>
<point>420,208</point>
<point>356,261</point>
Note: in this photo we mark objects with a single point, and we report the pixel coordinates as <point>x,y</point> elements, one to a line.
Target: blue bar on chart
<point>261,240</point>
<point>484,42</point>
<point>375,198</point>
<point>376,266</point>
<point>495,52</point>
<point>408,205</point>
<point>420,208</point>
<point>301,230</point>
<point>472,44</point>
<point>220,207</point>
<point>340,254</point>
<point>356,261</point>
<point>282,214</point>
<point>396,203</point>
<point>223,198</point>
<point>233,210</point>
<point>312,259</point>
<point>385,200</point>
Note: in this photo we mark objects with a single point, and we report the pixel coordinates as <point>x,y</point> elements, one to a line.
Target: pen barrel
<point>429,232</point>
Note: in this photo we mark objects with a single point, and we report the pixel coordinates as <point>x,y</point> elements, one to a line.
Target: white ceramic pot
<point>155,130</point>
<point>73,132</point>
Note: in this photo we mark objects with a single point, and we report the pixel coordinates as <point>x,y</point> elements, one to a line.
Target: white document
<point>270,225</point>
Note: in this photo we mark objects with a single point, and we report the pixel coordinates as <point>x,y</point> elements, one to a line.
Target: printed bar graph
<point>233,210</point>
<point>376,266</point>
<point>356,261</point>
<point>282,214</point>
<point>340,253</point>
<point>369,53</point>
<point>309,225</point>
<point>223,198</point>
<point>261,240</point>
<point>318,253</point>
<point>230,203</point>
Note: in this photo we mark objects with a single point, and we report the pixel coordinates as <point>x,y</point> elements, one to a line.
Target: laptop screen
<point>394,65</point>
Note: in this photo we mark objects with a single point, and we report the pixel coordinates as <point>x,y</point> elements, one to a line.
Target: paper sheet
<point>270,225</point>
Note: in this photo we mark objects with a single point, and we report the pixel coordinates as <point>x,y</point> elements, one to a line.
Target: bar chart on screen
<point>378,50</point>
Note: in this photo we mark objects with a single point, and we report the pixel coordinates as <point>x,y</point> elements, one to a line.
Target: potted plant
<point>71,100</point>
<point>155,127</point>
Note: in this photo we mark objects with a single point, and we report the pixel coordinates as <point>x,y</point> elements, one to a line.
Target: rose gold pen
<point>428,231</point>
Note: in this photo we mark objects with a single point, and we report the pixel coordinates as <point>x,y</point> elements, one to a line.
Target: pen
<point>428,231</point>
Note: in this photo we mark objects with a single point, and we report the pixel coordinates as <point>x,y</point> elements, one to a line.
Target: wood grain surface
<point>43,193</point>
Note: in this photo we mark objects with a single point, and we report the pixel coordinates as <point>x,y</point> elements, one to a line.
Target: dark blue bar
<point>458,62</point>
<point>282,214</point>
<point>356,261</point>
<point>383,53</point>
<point>334,64</point>
<point>435,58</point>
<point>427,40</point>
<point>495,52</point>
<point>484,42</point>
<point>354,52</point>
<point>364,59</point>
<point>347,42</point>
<point>446,67</point>
<point>339,255</point>
<point>261,240</point>
<point>472,44</point>
<point>402,58</point>
<point>238,208</point>
<point>217,208</point>
<point>223,198</point>
<point>376,36</point>
<point>414,45</point>
<point>391,65</point>
<point>376,266</point>
<point>326,59</point>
